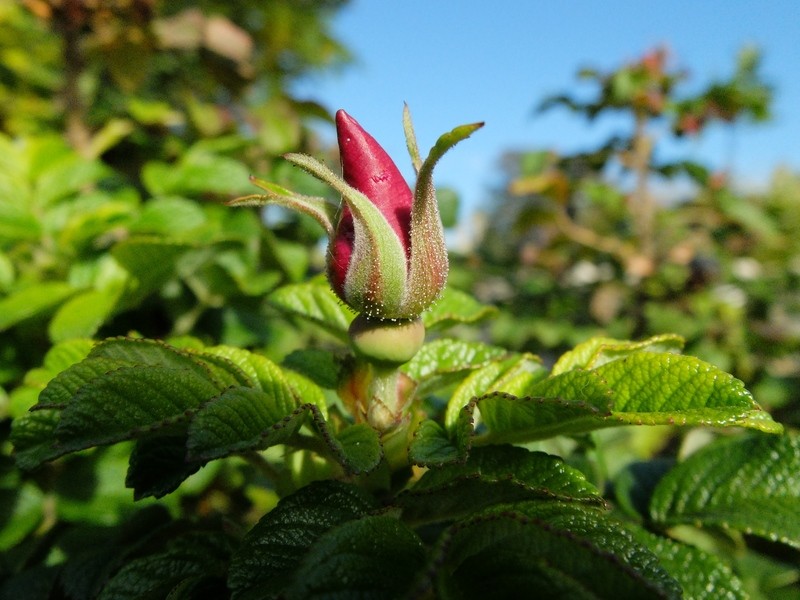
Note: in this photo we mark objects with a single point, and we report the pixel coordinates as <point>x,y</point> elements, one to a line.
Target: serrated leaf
<point>559,550</point>
<point>273,549</point>
<point>644,388</point>
<point>194,554</point>
<point>32,301</point>
<point>314,301</point>
<point>375,557</point>
<point>242,419</point>
<point>358,448</point>
<point>448,356</point>
<point>749,483</point>
<point>33,437</point>
<point>512,375</point>
<point>130,402</point>
<point>454,307</point>
<point>123,389</point>
<point>597,351</point>
<point>306,391</point>
<point>431,446</point>
<point>702,576</point>
<point>494,475</point>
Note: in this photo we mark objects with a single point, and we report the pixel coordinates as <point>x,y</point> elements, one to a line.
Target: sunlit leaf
<point>315,302</point>
<point>749,483</point>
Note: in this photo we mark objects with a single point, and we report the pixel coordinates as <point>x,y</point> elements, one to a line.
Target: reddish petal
<point>367,168</point>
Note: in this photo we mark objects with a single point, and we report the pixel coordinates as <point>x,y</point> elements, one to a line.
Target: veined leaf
<point>644,388</point>
<point>559,550</point>
<point>701,575</point>
<point>358,447</point>
<point>597,351</point>
<point>314,301</point>
<point>158,465</point>
<point>272,551</point>
<point>494,475</point>
<point>512,375</point>
<point>243,419</point>
<point>191,555</point>
<point>446,356</point>
<point>128,403</point>
<point>432,446</point>
<point>374,557</point>
<point>454,307</point>
<point>124,389</point>
<point>749,483</point>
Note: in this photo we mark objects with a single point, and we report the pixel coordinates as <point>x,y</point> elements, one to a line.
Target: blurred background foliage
<point>616,240</point>
<point>126,124</point>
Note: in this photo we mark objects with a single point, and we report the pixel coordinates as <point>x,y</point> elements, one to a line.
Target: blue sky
<point>461,61</point>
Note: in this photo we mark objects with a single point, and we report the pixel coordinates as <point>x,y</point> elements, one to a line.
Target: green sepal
<point>376,276</point>
<point>429,262</point>
<point>322,210</point>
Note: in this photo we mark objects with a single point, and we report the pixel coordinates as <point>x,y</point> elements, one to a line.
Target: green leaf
<point>197,173</point>
<point>243,419</point>
<point>68,177</point>
<point>150,261</point>
<point>701,575</point>
<point>82,315</point>
<point>494,475</point>
<point>32,301</point>
<point>374,557</point>
<point>749,483</point>
<point>169,216</point>
<point>195,554</point>
<point>124,389</point>
<point>512,375</point>
<point>644,388</point>
<point>20,513</point>
<point>158,465</point>
<point>598,351</point>
<point>431,446</point>
<point>315,302</point>
<point>273,549</point>
<point>320,366</point>
<point>129,403</point>
<point>358,448</point>
<point>559,550</point>
<point>33,438</point>
<point>455,307</point>
<point>447,356</point>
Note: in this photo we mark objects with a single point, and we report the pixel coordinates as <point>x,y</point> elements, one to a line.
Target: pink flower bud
<point>367,168</point>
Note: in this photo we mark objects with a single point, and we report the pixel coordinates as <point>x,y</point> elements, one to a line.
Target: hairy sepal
<point>376,275</point>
